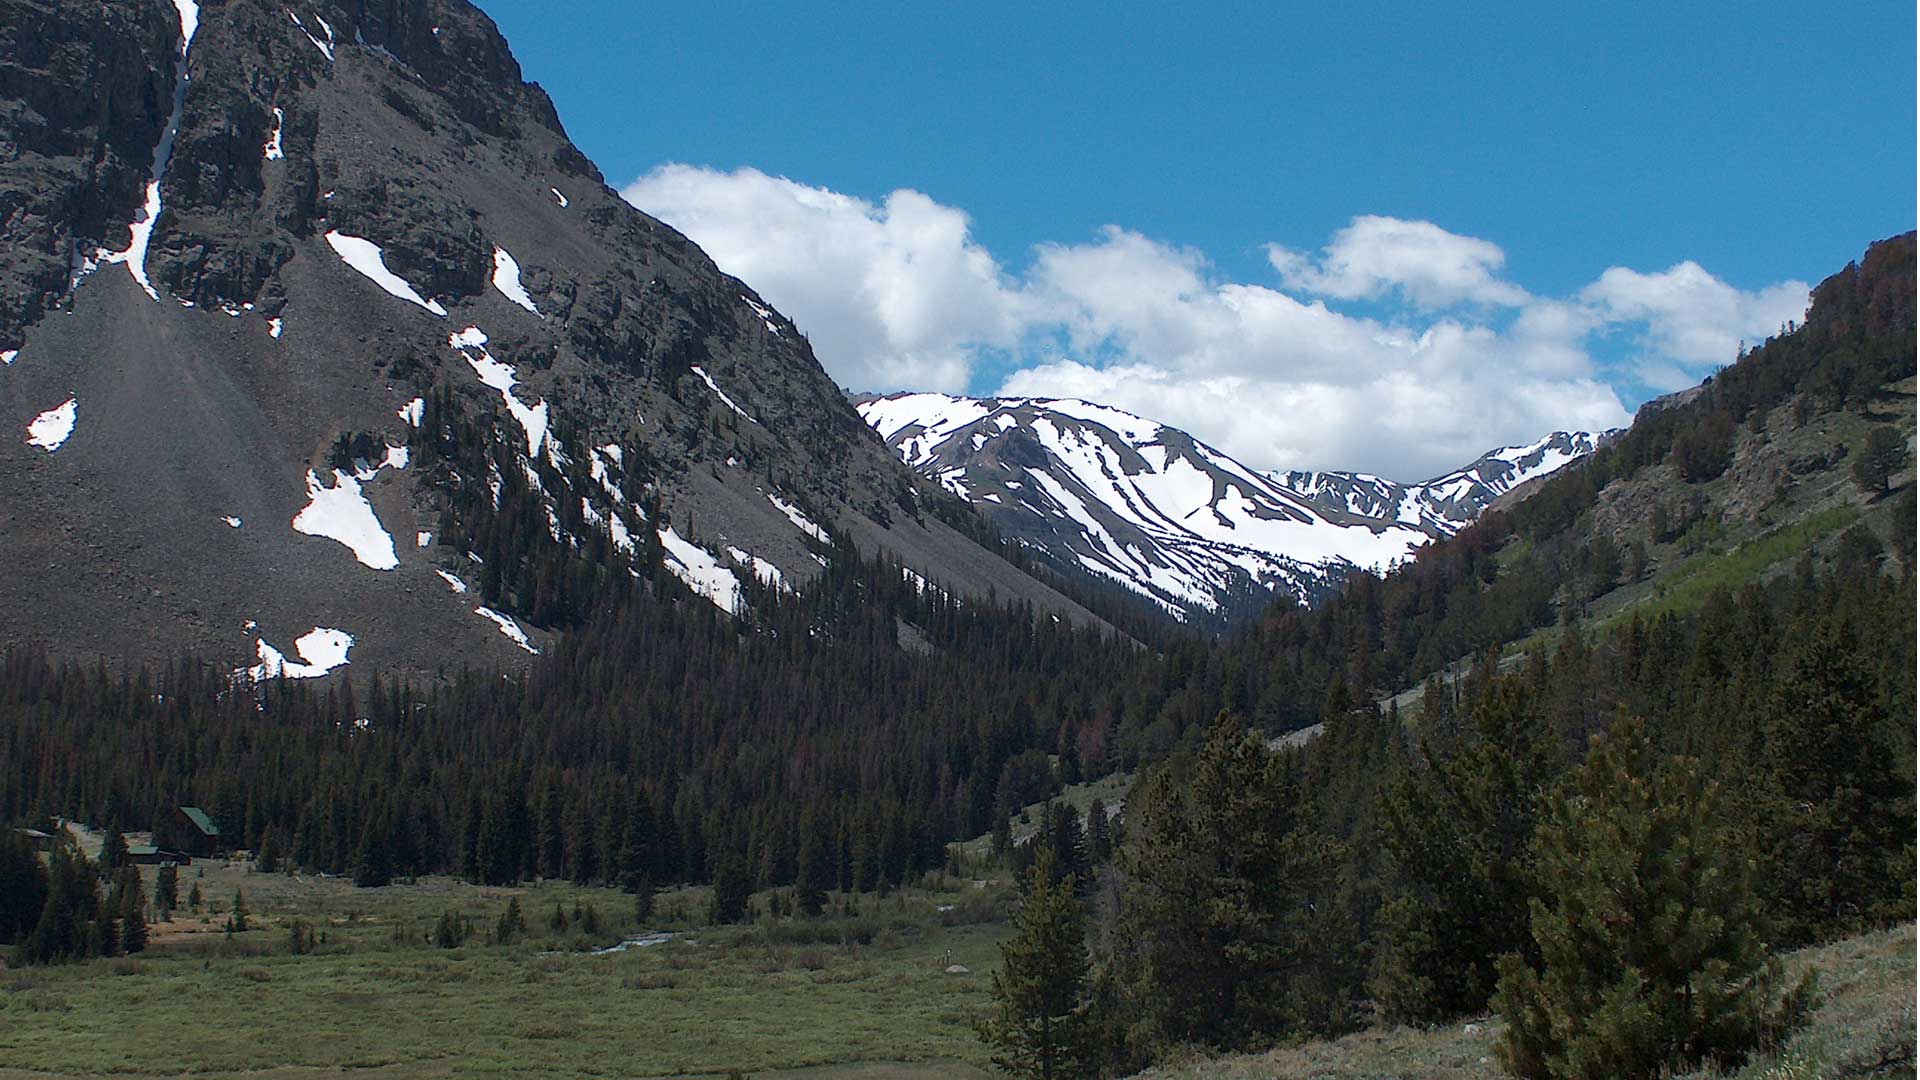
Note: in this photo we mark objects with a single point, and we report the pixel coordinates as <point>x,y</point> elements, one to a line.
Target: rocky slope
<point>309,311</point>
<point>1161,513</point>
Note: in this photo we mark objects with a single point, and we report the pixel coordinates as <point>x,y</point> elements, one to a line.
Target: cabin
<point>195,834</point>
<point>148,854</point>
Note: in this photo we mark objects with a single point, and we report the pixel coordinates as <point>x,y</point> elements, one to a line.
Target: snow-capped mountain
<point>1134,501</point>
<point>1447,503</point>
<point>1170,517</point>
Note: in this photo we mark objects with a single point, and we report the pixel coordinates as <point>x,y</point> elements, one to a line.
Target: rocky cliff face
<point>321,302</point>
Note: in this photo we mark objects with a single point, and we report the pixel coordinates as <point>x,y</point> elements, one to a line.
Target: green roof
<point>201,820</point>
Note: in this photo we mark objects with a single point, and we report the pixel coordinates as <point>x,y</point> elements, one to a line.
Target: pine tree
<point>1651,961</point>
<point>1878,458</point>
<point>373,860</point>
<point>816,872</point>
<point>1457,833</point>
<point>511,924</point>
<point>1040,1022</point>
<point>1223,919</point>
<point>732,888</point>
<point>67,927</point>
<point>23,887</point>
<point>1099,834</point>
<point>113,850</point>
<point>1840,811</point>
<point>166,888</point>
<point>131,909</point>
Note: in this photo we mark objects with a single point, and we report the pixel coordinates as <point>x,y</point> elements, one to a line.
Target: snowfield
<point>369,260</point>
<point>342,513</point>
<point>506,278</point>
<point>51,429</point>
<point>321,649</point>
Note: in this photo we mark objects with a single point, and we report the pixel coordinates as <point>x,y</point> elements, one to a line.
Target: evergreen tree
<point>732,888</point>
<point>113,850</point>
<point>23,887</point>
<point>1040,1024</point>
<point>1651,960</point>
<point>511,925</point>
<point>816,872</point>
<point>1099,833</point>
<point>67,927</point>
<point>1840,811</point>
<point>130,907</point>
<point>1222,925</point>
<point>1457,834</point>
<point>373,859</point>
<point>643,897</point>
<point>166,887</point>
<point>1878,458</point>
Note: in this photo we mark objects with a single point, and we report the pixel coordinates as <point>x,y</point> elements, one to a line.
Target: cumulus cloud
<point>1376,256</point>
<point>1432,357</point>
<point>889,294</point>
<point>1691,320</point>
<point>1281,382</point>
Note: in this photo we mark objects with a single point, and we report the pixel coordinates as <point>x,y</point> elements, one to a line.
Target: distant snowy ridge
<point>1449,502</point>
<point>1148,506</point>
<point>1133,500</point>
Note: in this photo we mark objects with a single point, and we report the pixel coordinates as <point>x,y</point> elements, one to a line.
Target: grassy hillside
<point>1863,1027</point>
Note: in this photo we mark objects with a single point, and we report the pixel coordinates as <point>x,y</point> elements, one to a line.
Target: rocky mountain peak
<point>339,332</point>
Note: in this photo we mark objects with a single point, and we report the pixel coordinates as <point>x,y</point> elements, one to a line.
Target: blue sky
<point>1405,170</point>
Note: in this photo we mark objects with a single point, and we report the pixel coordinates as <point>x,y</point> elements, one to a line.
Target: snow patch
<point>6,356</point>
<point>325,47</point>
<point>232,522</point>
<point>369,260</point>
<point>762,569</point>
<point>274,151</point>
<point>508,627</point>
<point>722,394</point>
<point>423,539</point>
<point>52,428</point>
<point>559,198</point>
<point>413,412</point>
<point>140,229</point>
<point>453,583</point>
<point>800,520</point>
<point>506,278</point>
<point>501,377</point>
<point>766,316</point>
<point>322,649</point>
<point>702,572</point>
<point>274,327</point>
<point>342,513</point>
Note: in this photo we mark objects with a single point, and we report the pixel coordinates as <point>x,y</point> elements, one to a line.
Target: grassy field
<point>1863,1027</point>
<point>862,993</point>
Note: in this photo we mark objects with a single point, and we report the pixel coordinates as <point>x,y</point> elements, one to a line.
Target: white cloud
<point>1692,320</point>
<point>1376,256</point>
<point>890,295</point>
<point>898,295</point>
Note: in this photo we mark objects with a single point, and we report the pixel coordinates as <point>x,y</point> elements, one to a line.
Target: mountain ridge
<point>334,272</point>
<point>1179,522</point>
